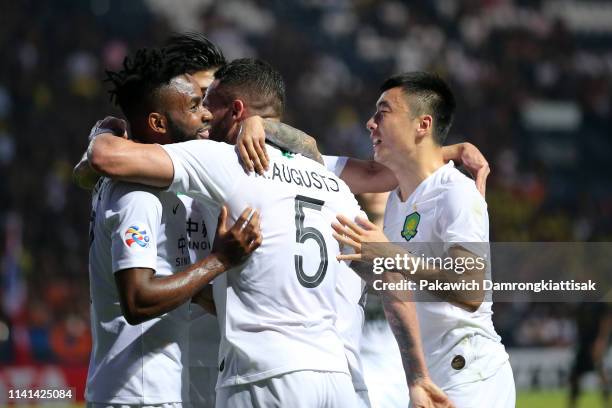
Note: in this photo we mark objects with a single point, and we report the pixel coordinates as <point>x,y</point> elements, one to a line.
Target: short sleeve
<point>335,164</point>
<point>133,219</point>
<point>464,219</point>
<point>204,169</point>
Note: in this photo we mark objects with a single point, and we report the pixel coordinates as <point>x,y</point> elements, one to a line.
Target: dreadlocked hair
<point>194,51</point>
<point>136,86</point>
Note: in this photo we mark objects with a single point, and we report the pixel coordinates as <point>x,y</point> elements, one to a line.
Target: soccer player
<point>200,58</point>
<point>280,346</point>
<point>349,289</point>
<point>197,56</point>
<point>143,246</point>
<point>440,211</point>
<point>370,176</point>
<point>193,54</point>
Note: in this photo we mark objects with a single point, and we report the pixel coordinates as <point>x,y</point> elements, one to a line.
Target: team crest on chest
<point>410,225</point>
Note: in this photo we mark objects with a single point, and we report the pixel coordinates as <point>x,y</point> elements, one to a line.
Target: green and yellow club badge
<point>410,226</point>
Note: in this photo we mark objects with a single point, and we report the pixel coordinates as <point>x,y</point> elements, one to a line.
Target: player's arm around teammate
<point>149,164</point>
<point>145,296</point>
<point>362,176</point>
<point>369,176</point>
<point>129,161</point>
<point>250,144</point>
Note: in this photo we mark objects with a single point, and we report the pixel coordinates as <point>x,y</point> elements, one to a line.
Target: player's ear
<point>238,109</point>
<point>425,126</point>
<point>157,122</point>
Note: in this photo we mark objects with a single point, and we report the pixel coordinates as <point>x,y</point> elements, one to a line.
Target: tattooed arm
<point>292,139</point>
<point>400,312</point>
<point>251,142</point>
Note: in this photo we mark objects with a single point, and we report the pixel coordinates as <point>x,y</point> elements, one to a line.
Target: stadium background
<point>532,79</point>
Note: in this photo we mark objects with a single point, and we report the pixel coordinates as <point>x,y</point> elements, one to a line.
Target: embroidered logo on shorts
<point>410,226</point>
<point>136,235</point>
<point>458,362</point>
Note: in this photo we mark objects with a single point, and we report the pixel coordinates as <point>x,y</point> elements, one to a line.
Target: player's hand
<point>425,394</point>
<point>354,234</point>
<point>476,164</point>
<point>82,174</point>
<point>109,124</point>
<point>204,298</point>
<point>234,244</point>
<point>251,145</point>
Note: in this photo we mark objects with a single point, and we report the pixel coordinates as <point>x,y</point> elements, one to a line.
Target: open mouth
<point>376,142</point>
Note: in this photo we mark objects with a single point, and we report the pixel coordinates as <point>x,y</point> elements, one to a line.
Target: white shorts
<point>497,391</point>
<point>298,389</point>
<point>202,383</point>
<point>110,405</point>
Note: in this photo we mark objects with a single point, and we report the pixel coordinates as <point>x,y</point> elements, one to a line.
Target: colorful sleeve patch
<point>136,235</point>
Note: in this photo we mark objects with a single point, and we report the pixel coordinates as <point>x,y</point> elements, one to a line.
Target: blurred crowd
<point>532,81</point>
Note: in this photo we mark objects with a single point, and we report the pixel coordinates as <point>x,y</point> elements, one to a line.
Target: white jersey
<point>204,336</point>
<point>447,208</point>
<point>138,227</point>
<point>277,311</point>
<point>350,302</point>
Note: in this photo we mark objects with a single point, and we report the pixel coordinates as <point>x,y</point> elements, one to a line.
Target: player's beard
<point>222,129</point>
<point>179,134</point>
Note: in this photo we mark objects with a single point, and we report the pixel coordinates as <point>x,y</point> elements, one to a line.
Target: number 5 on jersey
<point>302,234</point>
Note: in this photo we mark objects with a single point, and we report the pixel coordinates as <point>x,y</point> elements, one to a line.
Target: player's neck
<point>413,170</point>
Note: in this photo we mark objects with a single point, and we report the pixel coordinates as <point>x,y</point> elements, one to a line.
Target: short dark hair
<point>428,94</point>
<point>256,81</point>
<point>194,52</point>
<point>136,87</point>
